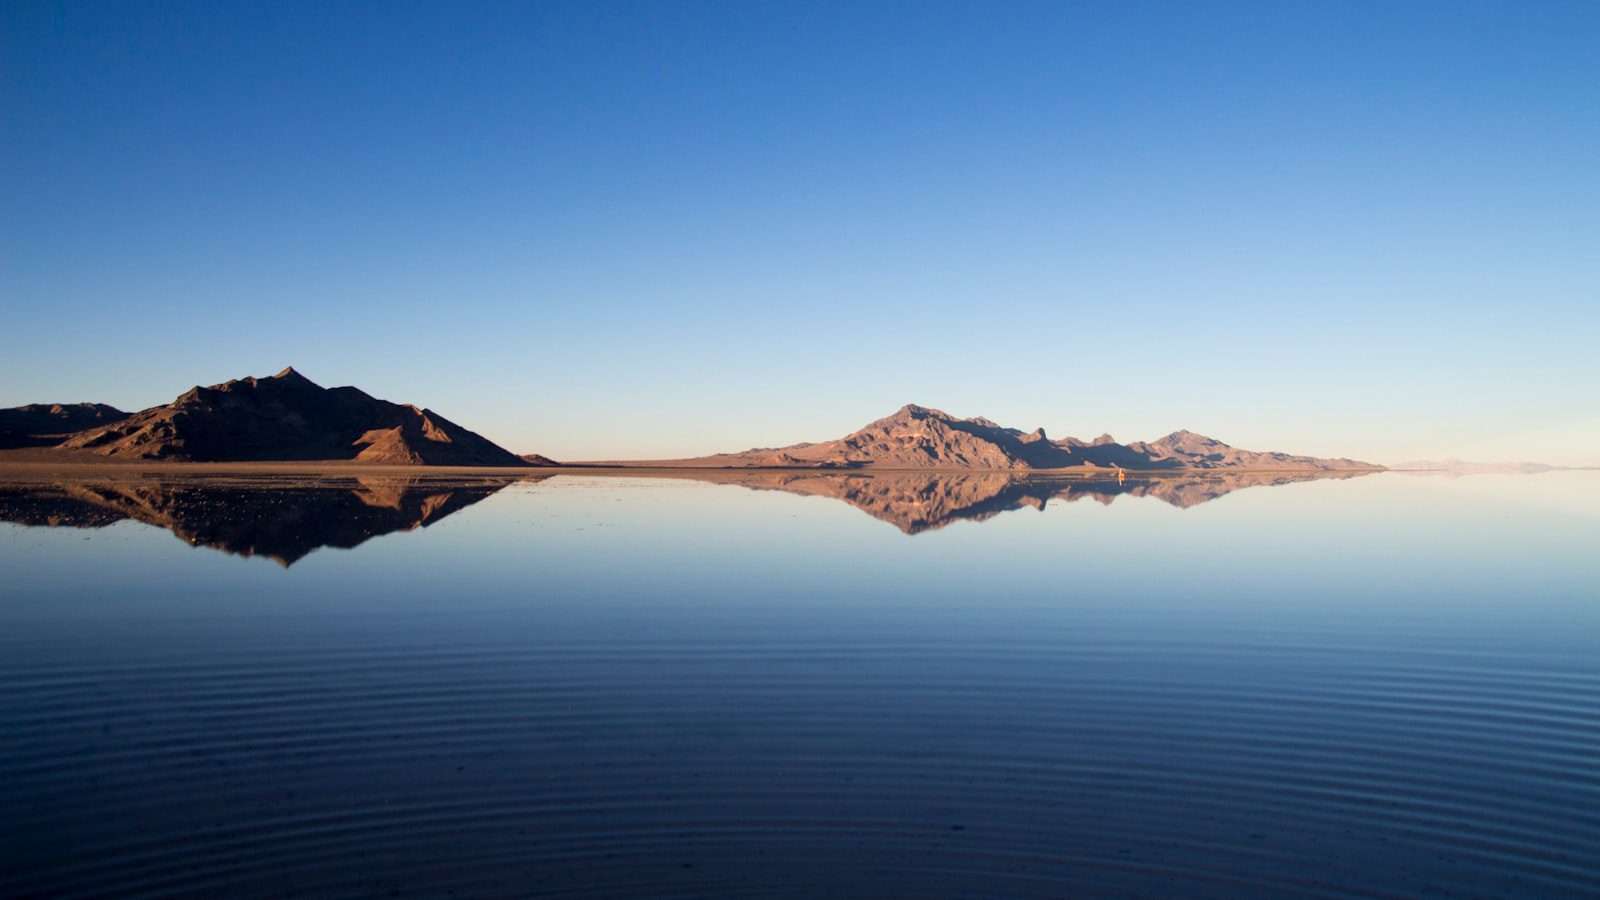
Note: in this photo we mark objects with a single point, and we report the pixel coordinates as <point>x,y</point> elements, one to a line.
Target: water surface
<point>800,685</point>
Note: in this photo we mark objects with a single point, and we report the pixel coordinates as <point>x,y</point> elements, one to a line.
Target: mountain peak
<point>1185,437</point>
<point>918,437</point>
<point>289,417</point>
<point>290,376</point>
<point>911,412</point>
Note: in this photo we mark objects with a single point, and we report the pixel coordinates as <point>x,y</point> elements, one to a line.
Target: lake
<point>799,684</point>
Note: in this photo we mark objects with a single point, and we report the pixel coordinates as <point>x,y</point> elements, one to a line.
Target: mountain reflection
<point>286,518</point>
<point>918,502</point>
<point>281,520</point>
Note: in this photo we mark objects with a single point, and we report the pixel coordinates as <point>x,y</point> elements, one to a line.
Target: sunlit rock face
<point>916,437</point>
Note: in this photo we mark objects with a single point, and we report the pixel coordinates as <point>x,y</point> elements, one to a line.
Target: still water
<point>802,685</point>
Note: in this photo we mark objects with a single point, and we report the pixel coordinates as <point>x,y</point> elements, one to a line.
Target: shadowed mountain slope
<point>288,417</point>
<point>916,437</point>
<point>43,424</point>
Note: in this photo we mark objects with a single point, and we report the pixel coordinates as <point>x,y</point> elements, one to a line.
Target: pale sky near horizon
<point>598,230</point>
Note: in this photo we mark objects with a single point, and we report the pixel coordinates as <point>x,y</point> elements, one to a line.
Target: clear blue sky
<point>600,230</point>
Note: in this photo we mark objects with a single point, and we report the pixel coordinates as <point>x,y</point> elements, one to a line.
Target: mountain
<point>286,417</point>
<point>42,424</point>
<point>916,437</point>
<point>1196,451</point>
<point>1461,467</point>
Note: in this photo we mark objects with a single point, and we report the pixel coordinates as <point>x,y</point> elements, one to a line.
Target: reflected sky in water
<point>637,539</point>
<point>668,685</point>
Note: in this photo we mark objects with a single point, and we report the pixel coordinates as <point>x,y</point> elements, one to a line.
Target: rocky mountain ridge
<point>918,437</point>
<point>43,424</point>
<point>283,417</point>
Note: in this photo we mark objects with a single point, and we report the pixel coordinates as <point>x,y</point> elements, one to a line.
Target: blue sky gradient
<point>605,230</point>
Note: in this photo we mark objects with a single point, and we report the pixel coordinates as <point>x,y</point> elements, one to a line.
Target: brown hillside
<point>288,417</point>
<point>917,437</point>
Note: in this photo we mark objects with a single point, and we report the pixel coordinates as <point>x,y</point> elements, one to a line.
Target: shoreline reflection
<point>286,519</point>
<point>283,522</point>
<point>917,502</point>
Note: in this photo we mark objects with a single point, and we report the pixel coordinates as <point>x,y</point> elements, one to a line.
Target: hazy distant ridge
<point>1462,467</point>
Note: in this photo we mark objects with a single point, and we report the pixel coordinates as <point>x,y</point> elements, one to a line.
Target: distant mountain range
<point>917,437</point>
<point>43,424</point>
<point>1461,467</point>
<point>284,417</point>
<point>287,417</point>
